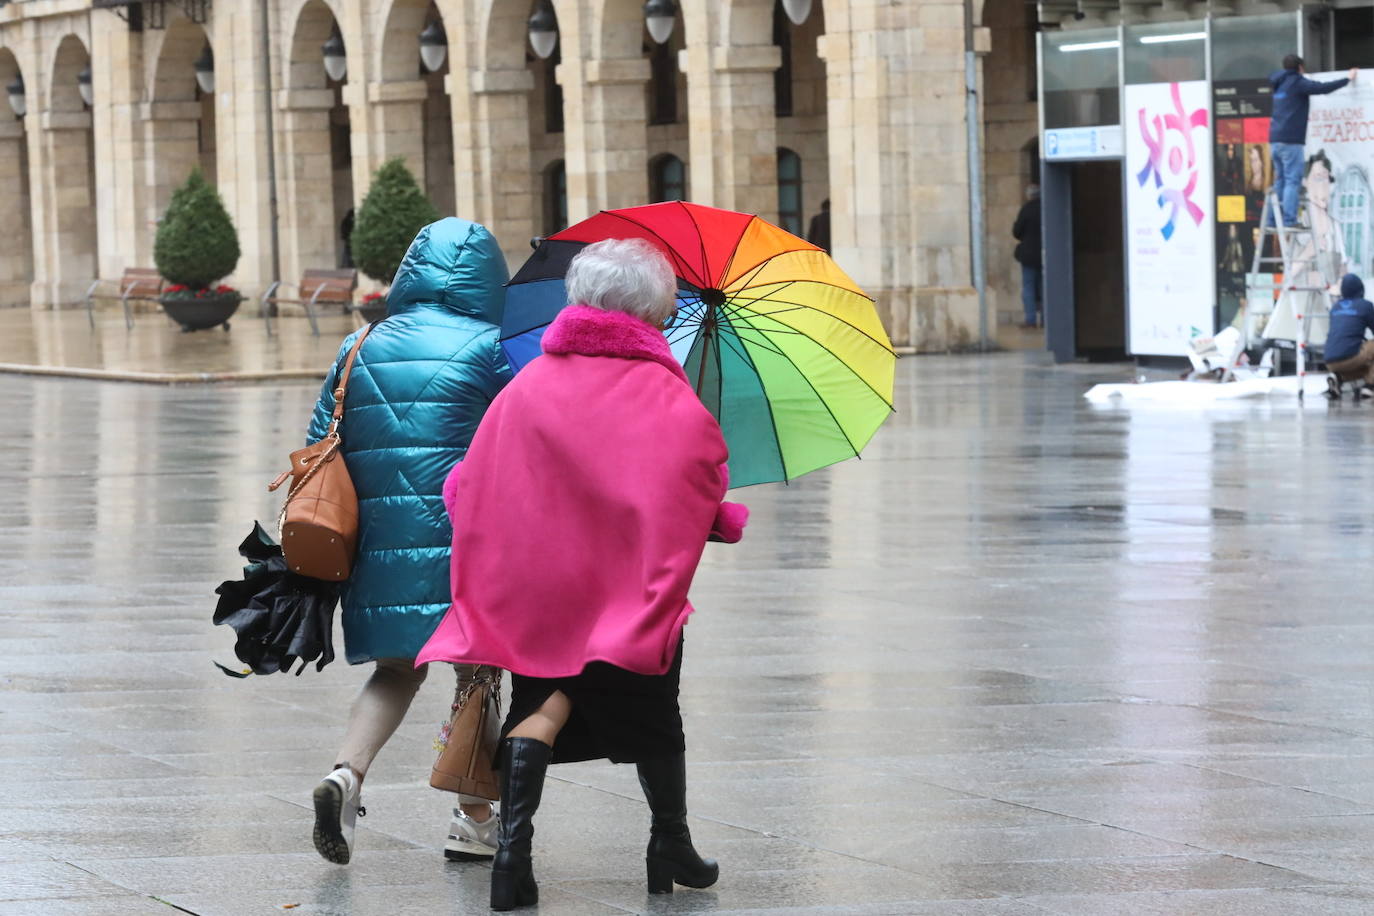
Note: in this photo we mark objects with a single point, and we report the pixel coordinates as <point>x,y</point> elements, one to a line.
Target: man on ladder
<point>1288,128</point>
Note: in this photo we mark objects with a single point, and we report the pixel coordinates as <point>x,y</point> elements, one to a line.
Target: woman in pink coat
<point>579,517</point>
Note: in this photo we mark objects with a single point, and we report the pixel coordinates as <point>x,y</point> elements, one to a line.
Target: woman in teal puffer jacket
<point>420,384</point>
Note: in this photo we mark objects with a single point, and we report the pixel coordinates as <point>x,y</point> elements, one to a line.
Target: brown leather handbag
<point>469,750</point>
<point>318,525</point>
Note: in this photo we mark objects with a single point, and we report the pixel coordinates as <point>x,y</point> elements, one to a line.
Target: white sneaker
<point>467,839</point>
<point>336,813</point>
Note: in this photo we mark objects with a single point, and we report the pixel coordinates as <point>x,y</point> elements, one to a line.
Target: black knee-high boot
<point>671,856</point>
<point>524,762</point>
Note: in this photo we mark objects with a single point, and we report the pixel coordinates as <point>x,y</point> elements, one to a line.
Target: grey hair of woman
<point>624,275</point>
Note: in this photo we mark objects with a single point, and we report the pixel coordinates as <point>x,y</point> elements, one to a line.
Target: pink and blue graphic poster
<point>1170,216</point>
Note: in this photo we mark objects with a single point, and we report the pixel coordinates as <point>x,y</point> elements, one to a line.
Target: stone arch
<point>66,241</point>
<point>749,22</point>
<point>16,204</point>
<point>69,59</point>
<point>617,29</point>
<point>173,76</point>
<point>398,52</point>
<point>310,29</point>
<point>316,136</point>
<point>179,124</point>
<point>503,42</point>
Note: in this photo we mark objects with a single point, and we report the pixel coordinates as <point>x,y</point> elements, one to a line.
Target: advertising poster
<point>1336,178</point>
<point>1243,171</point>
<point>1171,268</point>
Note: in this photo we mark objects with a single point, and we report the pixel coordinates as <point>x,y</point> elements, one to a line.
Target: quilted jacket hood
<point>456,265</point>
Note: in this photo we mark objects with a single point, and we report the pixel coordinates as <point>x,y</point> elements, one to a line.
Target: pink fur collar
<point>588,331</point>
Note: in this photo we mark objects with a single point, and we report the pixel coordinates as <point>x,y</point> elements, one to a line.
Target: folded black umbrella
<point>279,616</point>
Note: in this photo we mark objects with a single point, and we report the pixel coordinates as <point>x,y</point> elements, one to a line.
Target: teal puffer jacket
<point>421,383</point>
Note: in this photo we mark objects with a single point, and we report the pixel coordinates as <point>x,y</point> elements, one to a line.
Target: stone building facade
<point>861,105</point>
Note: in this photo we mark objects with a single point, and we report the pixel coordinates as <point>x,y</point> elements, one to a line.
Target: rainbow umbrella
<point>784,349</point>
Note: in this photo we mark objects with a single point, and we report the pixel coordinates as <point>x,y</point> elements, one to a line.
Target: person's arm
<point>731,518</point>
<point>1313,87</point>
<point>1019,227</point>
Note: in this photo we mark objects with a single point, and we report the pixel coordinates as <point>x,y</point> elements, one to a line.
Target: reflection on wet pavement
<point>1028,656</point>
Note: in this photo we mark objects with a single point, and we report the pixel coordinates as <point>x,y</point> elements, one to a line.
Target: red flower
<point>176,288</point>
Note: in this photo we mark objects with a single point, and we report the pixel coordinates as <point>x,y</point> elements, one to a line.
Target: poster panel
<point>1337,175</point>
<point>1171,272</point>
<point>1243,171</point>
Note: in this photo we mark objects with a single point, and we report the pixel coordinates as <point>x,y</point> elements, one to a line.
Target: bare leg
<point>378,711</point>
<point>547,721</point>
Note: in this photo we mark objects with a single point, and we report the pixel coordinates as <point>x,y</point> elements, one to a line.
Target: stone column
<point>305,178</point>
<point>171,137</point>
<point>733,130</point>
<point>614,119</point>
<point>67,235</point>
<point>16,255</point>
<point>396,112</point>
<point>898,167</point>
<point>241,131</point>
<point>491,153</point>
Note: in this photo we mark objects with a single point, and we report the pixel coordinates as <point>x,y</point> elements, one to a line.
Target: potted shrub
<point>394,210</point>
<point>196,247</point>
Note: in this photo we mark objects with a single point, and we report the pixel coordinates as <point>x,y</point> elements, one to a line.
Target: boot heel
<point>660,875</point>
<point>511,890</point>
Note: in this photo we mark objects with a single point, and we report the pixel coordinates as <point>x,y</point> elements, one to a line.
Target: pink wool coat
<point>583,506</point>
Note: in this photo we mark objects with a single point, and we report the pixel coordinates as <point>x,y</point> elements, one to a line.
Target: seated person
<point>1349,357</point>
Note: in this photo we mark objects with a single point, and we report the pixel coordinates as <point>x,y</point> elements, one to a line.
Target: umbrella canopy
<point>279,616</point>
<point>784,349</point>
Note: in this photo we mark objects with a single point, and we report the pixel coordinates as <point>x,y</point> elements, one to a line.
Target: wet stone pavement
<point>1029,656</point>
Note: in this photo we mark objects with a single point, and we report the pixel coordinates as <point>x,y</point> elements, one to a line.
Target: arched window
<point>555,197</point>
<point>553,93</point>
<point>667,178</point>
<point>789,190</point>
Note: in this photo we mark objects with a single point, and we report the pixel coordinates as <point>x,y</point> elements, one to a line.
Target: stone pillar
<point>491,152</point>
<point>171,137</point>
<point>16,255</point>
<point>614,119</point>
<point>66,239</point>
<point>733,130</point>
<point>241,130</point>
<point>125,232</point>
<point>305,178</point>
<point>898,167</point>
<point>396,113</point>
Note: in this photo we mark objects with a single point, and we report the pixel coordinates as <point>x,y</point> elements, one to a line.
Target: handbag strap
<point>342,389</point>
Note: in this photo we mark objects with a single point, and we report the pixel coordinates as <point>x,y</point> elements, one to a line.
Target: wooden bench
<point>316,287</point>
<point>139,284</point>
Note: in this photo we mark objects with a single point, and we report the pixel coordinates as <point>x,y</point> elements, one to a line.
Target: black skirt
<point>617,715</point>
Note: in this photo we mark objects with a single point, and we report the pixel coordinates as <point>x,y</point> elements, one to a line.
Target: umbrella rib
<point>670,248</point>
<point>878,394</point>
<point>801,305</point>
<point>701,242</point>
<point>759,267</point>
<point>847,441</point>
<point>743,353</point>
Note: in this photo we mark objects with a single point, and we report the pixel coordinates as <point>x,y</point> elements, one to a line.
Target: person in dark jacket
<point>422,380</point>
<point>1348,354</point>
<point>818,233</point>
<point>1288,128</point>
<point>1026,231</point>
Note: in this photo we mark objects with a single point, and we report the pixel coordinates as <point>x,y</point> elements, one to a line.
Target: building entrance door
<point>1099,266</point>
<point>1085,266</point>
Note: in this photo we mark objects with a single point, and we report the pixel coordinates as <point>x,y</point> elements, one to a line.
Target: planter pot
<point>195,314</point>
<point>373,311</point>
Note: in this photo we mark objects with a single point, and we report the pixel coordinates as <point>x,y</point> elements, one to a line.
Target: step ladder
<point>1296,295</point>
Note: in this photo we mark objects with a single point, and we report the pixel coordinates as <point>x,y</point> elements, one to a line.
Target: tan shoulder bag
<point>469,745</point>
<point>318,525</point>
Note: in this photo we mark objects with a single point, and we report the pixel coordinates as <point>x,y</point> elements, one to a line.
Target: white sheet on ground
<point>1194,393</point>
